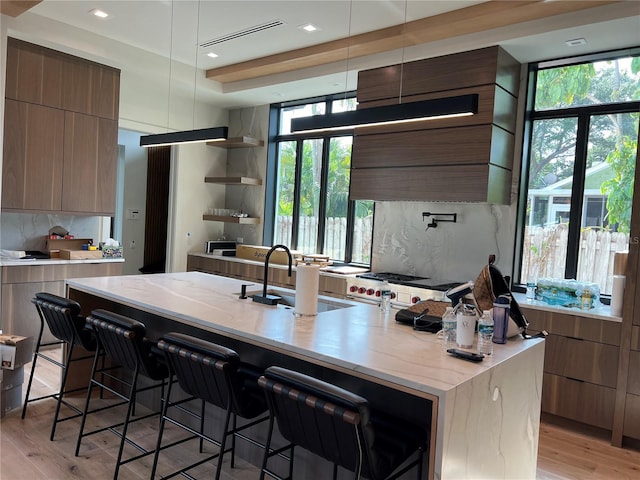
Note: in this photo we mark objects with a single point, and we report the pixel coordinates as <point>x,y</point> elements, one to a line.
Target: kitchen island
<point>483,417</point>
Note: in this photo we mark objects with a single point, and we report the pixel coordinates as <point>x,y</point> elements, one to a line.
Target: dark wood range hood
<point>465,159</point>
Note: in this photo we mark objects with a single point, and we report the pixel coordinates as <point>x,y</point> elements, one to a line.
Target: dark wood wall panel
<point>157,209</point>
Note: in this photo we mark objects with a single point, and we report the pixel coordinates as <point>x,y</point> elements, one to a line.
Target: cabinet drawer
<point>635,338</point>
<point>631,427</point>
<point>582,360</point>
<point>580,401</point>
<point>633,385</point>
<point>593,329</point>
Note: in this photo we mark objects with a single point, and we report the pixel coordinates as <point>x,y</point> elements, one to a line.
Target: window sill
<point>602,312</point>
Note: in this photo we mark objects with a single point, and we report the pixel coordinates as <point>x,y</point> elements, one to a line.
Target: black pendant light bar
<point>437,108</point>
<point>215,134</point>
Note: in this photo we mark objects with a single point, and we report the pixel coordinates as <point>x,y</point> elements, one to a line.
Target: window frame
<point>583,114</point>
<point>275,138</point>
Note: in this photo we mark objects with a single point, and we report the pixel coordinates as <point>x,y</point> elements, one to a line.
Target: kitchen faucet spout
<point>271,299</point>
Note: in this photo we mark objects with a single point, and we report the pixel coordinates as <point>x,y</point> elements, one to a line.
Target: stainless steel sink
<point>287,299</point>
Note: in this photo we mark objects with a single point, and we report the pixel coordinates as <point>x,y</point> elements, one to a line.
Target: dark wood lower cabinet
<point>631,427</point>
<point>578,400</point>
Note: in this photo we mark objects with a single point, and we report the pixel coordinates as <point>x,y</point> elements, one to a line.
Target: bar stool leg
<point>163,414</point>
<point>63,382</point>
<point>33,369</point>
<point>233,441</point>
<point>224,440</point>
<point>130,409</point>
<point>86,403</point>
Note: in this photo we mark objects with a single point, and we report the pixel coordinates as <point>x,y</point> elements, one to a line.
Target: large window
<point>311,209</point>
<point>580,159</point>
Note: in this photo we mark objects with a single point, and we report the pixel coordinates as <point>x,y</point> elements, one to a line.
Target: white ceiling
<point>173,29</point>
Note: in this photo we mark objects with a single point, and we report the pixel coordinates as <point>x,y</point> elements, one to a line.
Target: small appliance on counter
<point>220,247</point>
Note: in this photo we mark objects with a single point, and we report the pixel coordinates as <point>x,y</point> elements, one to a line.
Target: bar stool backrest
<point>322,418</point>
<point>63,318</point>
<point>123,340</point>
<point>204,370</point>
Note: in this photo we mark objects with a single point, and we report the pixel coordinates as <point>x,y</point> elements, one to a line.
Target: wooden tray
<point>80,254</point>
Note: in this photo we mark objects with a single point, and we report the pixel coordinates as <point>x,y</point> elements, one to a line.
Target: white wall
<point>132,192</point>
<point>247,162</point>
<point>189,199</point>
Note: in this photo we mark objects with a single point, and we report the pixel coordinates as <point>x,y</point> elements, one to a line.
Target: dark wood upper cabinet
<point>466,159</point>
<point>33,75</point>
<point>33,157</point>
<point>90,156</point>
<point>39,75</point>
<point>61,132</point>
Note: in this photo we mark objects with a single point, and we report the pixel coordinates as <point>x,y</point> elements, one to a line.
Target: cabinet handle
<point>575,338</point>
<point>574,379</point>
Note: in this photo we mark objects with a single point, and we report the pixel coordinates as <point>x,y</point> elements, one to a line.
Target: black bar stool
<point>63,318</point>
<point>123,341</point>
<point>339,426</point>
<point>215,375</point>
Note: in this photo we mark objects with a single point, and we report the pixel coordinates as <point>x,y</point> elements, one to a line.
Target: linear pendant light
<point>216,134</point>
<point>438,108</point>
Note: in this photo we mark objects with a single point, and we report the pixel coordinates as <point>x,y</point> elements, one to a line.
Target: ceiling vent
<point>242,33</point>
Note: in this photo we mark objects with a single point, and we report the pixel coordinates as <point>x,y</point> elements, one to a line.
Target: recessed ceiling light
<point>99,13</point>
<point>212,55</point>
<point>309,28</point>
<point>576,42</point>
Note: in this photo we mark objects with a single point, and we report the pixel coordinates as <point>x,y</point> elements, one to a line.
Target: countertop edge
<point>56,261</point>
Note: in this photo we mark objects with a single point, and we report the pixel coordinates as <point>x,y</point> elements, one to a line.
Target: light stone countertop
<point>54,261</point>
<point>485,416</point>
<point>357,338</point>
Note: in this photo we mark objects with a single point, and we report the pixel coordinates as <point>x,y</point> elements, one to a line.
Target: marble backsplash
<point>19,231</point>
<point>451,251</point>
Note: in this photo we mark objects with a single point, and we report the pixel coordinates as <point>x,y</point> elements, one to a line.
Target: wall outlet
<point>133,214</point>
<point>239,240</point>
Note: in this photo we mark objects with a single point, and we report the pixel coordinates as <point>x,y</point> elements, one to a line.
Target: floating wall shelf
<point>234,180</point>
<point>243,220</point>
<point>238,142</point>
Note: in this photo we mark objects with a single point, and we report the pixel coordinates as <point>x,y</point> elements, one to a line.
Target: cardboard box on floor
<point>15,351</point>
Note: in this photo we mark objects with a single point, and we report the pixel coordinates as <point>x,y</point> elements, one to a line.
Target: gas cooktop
<point>410,280</point>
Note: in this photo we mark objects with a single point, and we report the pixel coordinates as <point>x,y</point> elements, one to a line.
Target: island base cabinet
<point>578,400</point>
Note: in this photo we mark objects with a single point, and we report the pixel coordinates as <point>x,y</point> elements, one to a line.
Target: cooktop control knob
<point>353,289</point>
<point>370,291</point>
<point>393,295</point>
<point>415,299</point>
<point>378,293</point>
<point>362,290</point>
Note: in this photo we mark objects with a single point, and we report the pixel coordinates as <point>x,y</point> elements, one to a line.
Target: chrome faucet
<point>271,299</point>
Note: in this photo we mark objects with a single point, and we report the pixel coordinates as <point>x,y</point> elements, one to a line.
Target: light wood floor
<point>566,451</point>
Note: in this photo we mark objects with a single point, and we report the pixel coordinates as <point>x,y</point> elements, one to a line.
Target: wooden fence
<point>334,238</point>
<point>545,251</point>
